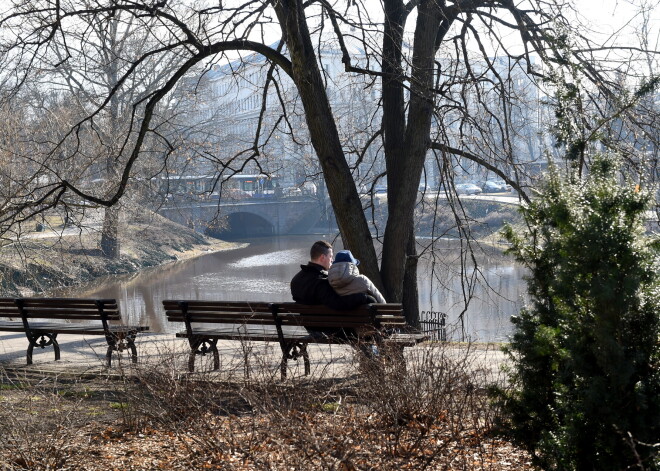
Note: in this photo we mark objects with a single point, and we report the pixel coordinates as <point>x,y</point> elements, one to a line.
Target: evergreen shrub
<point>584,380</point>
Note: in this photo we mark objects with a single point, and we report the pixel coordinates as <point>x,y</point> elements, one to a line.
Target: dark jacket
<point>310,286</point>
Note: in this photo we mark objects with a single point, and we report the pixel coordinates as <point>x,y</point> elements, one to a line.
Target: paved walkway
<point>86,355</point>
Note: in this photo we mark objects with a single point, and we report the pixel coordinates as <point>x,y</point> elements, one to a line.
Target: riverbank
<point>67,256</point>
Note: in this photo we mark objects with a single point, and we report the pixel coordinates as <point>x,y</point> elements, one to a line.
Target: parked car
<point>291,191</point>
<point>467,189</point>
<point>504,185</point>
<point>493,187</point>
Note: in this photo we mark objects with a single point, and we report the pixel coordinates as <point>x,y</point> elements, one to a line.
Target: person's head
<point>321,253</point>
<point>346,256</point>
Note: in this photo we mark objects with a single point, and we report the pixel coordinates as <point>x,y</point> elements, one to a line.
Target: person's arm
<point>373,291</point>
<point>351,301</point>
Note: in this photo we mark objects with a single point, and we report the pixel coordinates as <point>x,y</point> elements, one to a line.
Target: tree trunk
<point>394,128</point>
<point>405,145</point>
<point>410,297</point>
<point>405,159</point>
<point>110,235</point>
<point>325,137</point>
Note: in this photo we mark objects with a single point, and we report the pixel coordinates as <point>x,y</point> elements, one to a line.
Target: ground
<point>151,422</point>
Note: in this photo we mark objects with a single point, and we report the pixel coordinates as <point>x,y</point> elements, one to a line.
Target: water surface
<point>261,271</point>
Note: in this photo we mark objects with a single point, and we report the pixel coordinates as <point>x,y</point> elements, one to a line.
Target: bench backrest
<point>60,308</point>
<point>381,316</point>
<point>218,312</point>
<point>288,313</point>
<point>8,308</point>
<point>367,320</point>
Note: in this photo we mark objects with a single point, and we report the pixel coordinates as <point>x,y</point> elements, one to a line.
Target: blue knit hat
<point>346,256</point>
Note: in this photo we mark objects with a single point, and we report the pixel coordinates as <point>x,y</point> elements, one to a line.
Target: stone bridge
<point>247,218</point>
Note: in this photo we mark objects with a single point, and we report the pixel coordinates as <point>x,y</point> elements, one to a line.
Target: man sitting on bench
<point>310,286</point>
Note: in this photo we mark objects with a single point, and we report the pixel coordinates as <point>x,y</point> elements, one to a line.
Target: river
<point>261,271</point>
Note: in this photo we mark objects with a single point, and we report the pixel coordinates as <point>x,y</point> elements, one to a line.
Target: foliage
<point>585,381</point>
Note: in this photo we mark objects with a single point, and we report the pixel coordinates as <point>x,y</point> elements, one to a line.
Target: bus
<point>205,187</point>
<point>257,186</point>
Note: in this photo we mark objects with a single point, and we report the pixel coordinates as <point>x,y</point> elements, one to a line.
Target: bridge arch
<point>249,218</point>
<point>241,224</point>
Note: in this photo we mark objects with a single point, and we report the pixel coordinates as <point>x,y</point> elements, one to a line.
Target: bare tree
<point>90,69</point>
<point>434,63</point>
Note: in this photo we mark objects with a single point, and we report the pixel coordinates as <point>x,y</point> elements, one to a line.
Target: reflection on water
<point>262,270</point>
<point>281,257</point>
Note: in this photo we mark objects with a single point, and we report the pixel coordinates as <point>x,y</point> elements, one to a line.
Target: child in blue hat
<point>344,276</point>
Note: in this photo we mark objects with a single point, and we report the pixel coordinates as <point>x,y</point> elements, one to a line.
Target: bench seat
<point>404,339</point>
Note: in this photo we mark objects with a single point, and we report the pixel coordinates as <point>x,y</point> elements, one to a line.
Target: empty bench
<point>292,325</point>
<point>42,319</point>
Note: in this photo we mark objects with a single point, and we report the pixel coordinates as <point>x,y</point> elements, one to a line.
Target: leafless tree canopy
<point>87,93</point>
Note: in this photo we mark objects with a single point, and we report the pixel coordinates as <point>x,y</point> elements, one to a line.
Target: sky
<point>613,23</point>
<point>618,22</point>
<point>611,15</point>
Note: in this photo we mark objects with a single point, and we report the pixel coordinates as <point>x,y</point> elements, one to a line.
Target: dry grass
<point>433,415</point>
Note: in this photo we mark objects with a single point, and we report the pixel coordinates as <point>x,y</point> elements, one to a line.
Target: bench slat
<point>319,309</point>
<point>82,302</point>
<point>212,314</point>
<point>234,335</point>
<point>70,315</point>
<point>8,313</point>
<point>81,329</point>
<point>340,321</point>
<point>217,306</point>
<point>228,320</point>
<point>12,327</point>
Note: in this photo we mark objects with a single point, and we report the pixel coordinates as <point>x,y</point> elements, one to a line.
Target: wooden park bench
<point>42,319</point>
<point>292,325</point>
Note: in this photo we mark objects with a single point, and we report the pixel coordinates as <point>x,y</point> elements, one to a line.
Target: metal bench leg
<point>369,361</point>
<point>191,360</point>
<point>216,356</point>
<point>395,358</point>
<point>44,340</point>
<point>112,345</point>
<point>293,351</point>
<point>202,347</point>
<point>108,355</point>
<point>130,340</point>
<point>283,366</point>
<point>120,342</point>
<point>305,355</point>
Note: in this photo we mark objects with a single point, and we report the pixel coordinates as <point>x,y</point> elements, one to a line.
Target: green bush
<point>584,390</point>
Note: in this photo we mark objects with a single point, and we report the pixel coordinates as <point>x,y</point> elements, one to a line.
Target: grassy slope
<point>64,257</point>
